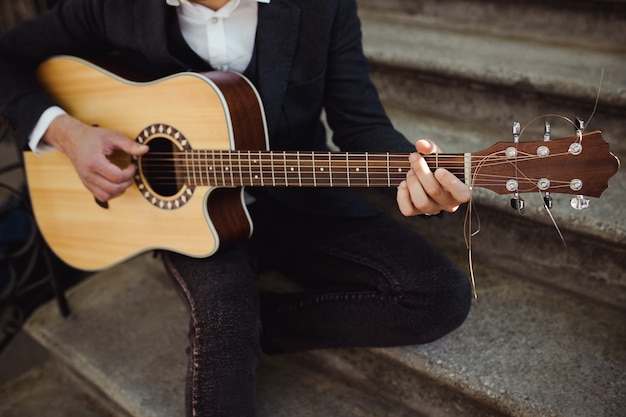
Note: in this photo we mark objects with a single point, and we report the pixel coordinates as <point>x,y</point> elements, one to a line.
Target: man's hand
<point>425,192</point>
<point>88,148</point>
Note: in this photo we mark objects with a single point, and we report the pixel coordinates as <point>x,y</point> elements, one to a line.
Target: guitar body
<point>212,111</point>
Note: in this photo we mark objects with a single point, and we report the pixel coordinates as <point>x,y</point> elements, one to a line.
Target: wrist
<point>58,132</point>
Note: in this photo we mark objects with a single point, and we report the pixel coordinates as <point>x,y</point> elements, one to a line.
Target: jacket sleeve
<point>353,108</point>
<point>72,27</point>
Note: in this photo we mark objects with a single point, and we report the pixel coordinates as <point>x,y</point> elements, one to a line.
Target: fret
<point>314,170</point>
<point>285,168</point>
<point>299,170</point>
<point>198,157</point>
<point>388,172</point>
<point>348,168</point>
<point>321,170</point>
<point>249,173</point>
<point>214,169</point>
<point>221,158</point>
<point>207,170</point>
<point>258,164</point>
<point>202,156</point>
<point>222,175</point>
<point>367,168</point>
<point>339,175</point>
<point>273,170</point>
<point>192,168</point>
<point>291,169</point>
<point>229,168</point>
<point>240,168</point>
<point>330,169</point>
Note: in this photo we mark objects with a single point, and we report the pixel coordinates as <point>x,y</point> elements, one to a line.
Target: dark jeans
<point>369,282</point>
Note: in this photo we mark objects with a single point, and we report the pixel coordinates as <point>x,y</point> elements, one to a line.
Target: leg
<point>224,351</point>
<point>370,282</point>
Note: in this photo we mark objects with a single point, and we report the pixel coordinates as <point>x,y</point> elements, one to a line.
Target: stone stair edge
<point>568,22</point>
<point>396,17</point>
<point>555,70</point>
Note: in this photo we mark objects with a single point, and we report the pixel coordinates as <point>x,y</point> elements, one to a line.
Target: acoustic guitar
<point>208,139</point>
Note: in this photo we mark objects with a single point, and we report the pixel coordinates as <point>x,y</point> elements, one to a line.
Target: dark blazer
<point>308,58</point>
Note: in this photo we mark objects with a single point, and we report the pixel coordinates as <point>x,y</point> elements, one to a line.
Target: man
<point>367,281</point>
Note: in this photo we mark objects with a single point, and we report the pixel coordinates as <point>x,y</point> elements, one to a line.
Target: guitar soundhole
<point>161,173</point>
<point>159,169</point>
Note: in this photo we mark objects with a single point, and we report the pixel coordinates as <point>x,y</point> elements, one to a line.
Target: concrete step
<point>486,79</point>
<point>288,386</point>
<point>581,23</point>
<point>126,337</point>
<point>45,391</point>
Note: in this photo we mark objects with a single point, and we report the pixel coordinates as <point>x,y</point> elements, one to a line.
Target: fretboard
<point>303,169</point>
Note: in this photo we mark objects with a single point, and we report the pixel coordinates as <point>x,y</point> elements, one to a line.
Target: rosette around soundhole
<point>162,173</point>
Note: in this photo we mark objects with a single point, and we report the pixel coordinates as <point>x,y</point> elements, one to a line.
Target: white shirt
<point>224,38</point>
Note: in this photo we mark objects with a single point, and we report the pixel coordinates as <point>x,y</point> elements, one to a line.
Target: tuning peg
<point>547,131</point>
<point>580,202</point>
<point>547,201</point>
<point>517,130</point>
<point>579,124</point>
<point>517,202</point>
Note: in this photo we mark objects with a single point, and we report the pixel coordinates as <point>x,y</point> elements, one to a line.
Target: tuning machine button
<point>547,201</point>
<point>517,202</point>
<point>580,202</point>
<point>547,131</point>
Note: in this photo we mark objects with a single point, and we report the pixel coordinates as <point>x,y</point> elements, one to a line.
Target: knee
<point>445,308</point>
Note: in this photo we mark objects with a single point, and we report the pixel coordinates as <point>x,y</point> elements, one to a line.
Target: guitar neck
<point>302,169</point>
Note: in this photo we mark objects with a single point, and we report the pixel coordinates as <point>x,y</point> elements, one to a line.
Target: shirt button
<point>214,20</point>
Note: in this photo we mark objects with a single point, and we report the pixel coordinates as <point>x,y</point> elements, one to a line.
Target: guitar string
<point>376,172</point>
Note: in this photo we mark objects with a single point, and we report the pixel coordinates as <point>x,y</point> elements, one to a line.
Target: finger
<point>419,196</point>
<point>459,192</point>
<point>425,176</point>
<point>104,189</point>
<point>403,198</point>
<point>126,145</point>
<point>440,196</point>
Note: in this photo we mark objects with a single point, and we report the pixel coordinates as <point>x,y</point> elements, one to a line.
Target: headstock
<point>577,165</point>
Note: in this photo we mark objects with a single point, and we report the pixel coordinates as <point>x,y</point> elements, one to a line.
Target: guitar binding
<point>165,157</point>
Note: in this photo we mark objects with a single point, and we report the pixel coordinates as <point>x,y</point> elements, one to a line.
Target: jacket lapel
<point>153,32</point>
<point>277,36</point>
